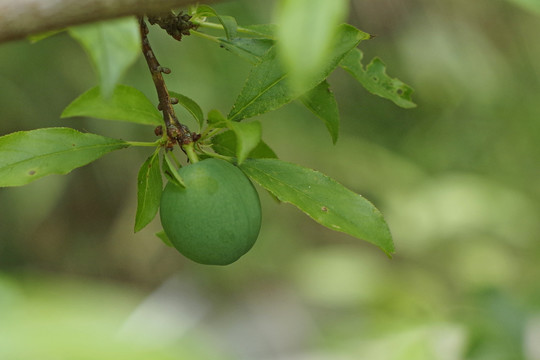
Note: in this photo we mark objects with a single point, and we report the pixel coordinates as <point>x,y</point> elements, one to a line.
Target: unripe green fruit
<point>216,218</point>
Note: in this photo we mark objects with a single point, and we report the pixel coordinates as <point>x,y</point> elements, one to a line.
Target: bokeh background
<point>457,178</point>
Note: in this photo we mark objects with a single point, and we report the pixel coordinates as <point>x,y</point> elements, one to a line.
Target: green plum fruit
<point>216,218</point>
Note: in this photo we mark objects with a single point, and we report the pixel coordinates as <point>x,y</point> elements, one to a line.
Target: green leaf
<point>531,5</point>
<point>204,10</point>
<point>164,238</point>
<point>321,101</point>
<point>376,81</point>
<point>44,35</point>
<point>171,173</point>
<point>306,33</point>
<point>323,199</point>
<point>149,188</point>
<point>251,49</point>
<point>267,87</point>
<point>248,136</point>
<point>113,47</point>
<point>228,22</point>
<point>125,104</point>
<point>230,26</point>
<point>262,30</point>
<point>26,156</point>
<point>216,119</point>
<point>225,144</point>
<point>191,106</point>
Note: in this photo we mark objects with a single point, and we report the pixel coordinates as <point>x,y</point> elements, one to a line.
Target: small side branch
<point>176,132</point>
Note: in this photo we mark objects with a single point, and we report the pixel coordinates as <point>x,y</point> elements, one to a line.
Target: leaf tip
<point>389,248</point>
<point>163,237</point>
<point>239,161</point>
<point>390,253</point>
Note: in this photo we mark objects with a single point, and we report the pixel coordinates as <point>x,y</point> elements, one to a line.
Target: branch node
<point>163,69</point>
<point>176,132</point>
<point>175,25</point>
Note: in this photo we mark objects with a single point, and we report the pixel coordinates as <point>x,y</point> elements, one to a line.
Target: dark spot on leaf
<point>72,144</point>
<point>399,91</point>
<point>324,208</point>
<point>31,172</point>
<point>375,78</point>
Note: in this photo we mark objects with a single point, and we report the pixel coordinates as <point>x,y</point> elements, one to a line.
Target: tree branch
<point>20,18</point>
<point>176,132</point>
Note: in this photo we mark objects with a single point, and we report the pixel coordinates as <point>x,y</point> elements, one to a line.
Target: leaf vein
<point>260,94</point>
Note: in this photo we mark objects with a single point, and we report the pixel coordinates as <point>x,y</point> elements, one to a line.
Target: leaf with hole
<point>26,156</point>
<point>375,80</point>
<point>267,87</point>
<point>126,104</point>
<point>322,198</point>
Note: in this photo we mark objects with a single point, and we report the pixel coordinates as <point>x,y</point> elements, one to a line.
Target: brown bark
<point>175,131</point>
<point>20,18</point>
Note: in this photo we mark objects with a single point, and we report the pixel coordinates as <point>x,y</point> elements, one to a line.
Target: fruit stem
<point>219,156</point>
<point>205,36</point>
<point>190,152</point>
<point>208,133</point>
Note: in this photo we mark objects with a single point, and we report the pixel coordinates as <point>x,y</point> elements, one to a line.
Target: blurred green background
<point>457,179</point>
